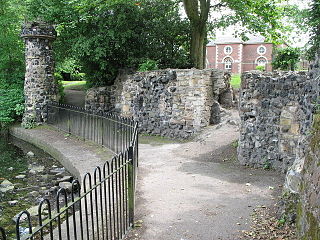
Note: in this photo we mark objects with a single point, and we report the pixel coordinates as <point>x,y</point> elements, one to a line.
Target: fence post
<point>131,186</point>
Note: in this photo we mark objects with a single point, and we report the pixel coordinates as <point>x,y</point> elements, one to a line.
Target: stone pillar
<point>39,86</point>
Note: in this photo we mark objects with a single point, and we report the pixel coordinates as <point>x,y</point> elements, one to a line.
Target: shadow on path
<point>197,191</point>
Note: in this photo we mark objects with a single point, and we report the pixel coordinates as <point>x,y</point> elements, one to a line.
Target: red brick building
<point>237,56</point>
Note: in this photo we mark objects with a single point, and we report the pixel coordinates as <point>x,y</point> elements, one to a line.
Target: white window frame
<point>264,50</point>
<point>228,61</point>
<point>228,47</point>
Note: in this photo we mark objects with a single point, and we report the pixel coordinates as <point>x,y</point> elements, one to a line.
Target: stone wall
<point>173,103</point>
<point>39,87</point>
<point>308,206</point>
<point>276,113</point>
<point>303,177</point>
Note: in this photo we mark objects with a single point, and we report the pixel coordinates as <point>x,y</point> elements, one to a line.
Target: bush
<point>58,77</point>
<point>78,77</point>
<point>261,68</point>
<point>11,104</point>
<point>148,65</point>
<point>286,58</point>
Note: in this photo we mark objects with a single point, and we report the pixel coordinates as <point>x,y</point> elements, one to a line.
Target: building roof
<point>231,39</point>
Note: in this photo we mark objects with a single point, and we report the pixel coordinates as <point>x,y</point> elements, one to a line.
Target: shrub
<point>261,68</point>
<point>11,104</point>
<point>148,65</point>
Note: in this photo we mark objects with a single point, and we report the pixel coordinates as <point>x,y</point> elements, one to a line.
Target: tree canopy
<point>104,37</point>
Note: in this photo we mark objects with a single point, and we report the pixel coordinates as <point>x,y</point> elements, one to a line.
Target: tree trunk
<point>198,12</point>
<point>198,44</point>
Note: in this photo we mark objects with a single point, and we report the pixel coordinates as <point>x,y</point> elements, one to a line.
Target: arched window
<point>228,63</point>
<point>261,61</point>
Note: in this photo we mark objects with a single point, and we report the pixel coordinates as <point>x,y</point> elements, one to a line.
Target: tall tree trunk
<point>198,17</point>
<point>198,34</point>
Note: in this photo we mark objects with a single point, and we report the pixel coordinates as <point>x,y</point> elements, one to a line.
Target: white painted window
<point>228,63</point>
<point>228,49</point>
<point>262,50</point>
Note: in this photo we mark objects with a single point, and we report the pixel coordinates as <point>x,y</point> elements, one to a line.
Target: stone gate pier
<point>39,87</point>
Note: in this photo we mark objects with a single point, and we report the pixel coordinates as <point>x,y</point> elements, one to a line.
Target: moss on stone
<point>315,140</point>
<point>307,223</point>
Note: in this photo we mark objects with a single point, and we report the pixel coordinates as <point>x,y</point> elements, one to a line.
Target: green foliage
<point>235,144</point>
<point>286,58</point>
<point>11,104</point>
<point>29,123</point>
<point>11,61</point>
<point>148,65</point>
<point>60,90</point>
<point>105,36</point>
<point>267,165</point>
<point>264,17</point>
<point>261,68</point>
<point>235,81</point>
<point>78,77</point>
<point>58,77</point>
<point>314,28</point>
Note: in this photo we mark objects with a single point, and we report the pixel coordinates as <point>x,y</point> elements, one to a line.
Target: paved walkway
<point>75,98</point>
<point>196,190</point>
<point>77,156</point>
<point>190,191</point>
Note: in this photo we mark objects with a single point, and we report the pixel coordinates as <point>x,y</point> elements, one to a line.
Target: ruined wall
<point>303,177</point>
<point>173,103</point>
<point>39,87</point>
<point>308,207</point>
<point>276,112</point>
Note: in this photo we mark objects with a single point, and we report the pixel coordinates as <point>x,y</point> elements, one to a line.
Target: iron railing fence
<point>101,208</point>
<point>106,129</point>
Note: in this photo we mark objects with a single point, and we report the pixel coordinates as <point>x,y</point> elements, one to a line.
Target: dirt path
<point>197,191</point>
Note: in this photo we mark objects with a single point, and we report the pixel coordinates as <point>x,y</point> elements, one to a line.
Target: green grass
<point>235,80</point>
<point>74,85</point>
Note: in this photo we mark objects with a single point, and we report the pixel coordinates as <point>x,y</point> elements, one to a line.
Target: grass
<point>74,85</point>
<point>235,80</point>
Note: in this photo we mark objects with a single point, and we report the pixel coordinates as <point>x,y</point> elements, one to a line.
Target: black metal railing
<point>112,131</point>
<point>102,207</point>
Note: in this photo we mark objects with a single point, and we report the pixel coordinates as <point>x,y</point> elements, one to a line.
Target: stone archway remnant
<point>39,87</point>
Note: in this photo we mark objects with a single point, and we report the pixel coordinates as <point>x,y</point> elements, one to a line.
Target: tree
<point>313,18</point>
<point>257,16</point>
<point>105,36</point>
<point>286,58</point>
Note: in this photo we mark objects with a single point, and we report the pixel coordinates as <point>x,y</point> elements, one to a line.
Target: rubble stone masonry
<point>39,87</point>
<point>175,103</point>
